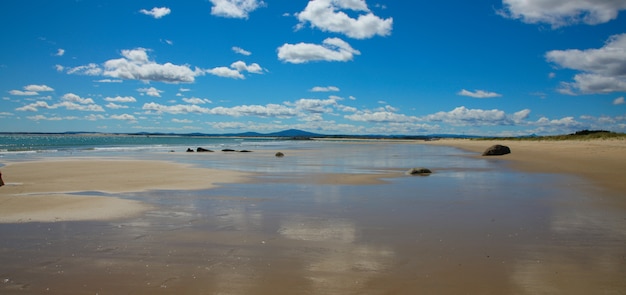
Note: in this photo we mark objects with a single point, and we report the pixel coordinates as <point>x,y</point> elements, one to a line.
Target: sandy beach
<point>40,190</point>
<point>343,218</point>
<point>601,161</point>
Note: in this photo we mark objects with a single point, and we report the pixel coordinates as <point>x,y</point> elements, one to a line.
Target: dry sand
<point>601,161</point>
<point>40,191</point>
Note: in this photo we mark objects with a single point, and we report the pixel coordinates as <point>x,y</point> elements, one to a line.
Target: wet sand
<point>601,161</point>
<point>40,191</point>
<point>457,231</point>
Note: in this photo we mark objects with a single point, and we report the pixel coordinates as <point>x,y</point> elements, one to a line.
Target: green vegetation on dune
<point>579,135</point>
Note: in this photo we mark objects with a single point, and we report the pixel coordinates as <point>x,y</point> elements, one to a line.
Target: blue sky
<point>329,66</point>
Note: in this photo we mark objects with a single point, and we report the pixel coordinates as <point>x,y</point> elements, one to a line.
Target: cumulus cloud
<point>91,69</point>
<point>478,93</point>
<point>558,13</point>
<point>23,93</point>
<point>120,99</point>
<point>266,111</point>
<point>324,89</point>
<point>115,106</point>
<point>136,65</point>
<point>474,117</point>
<point>241,51</point>
<point>156,12</point>
<point>150,91</point>
<point>124,117</point>
<point>314,105</point>
<point>31,90</point>
<point>332,49</point>
<point>71,97</point>
<point>60,52</point>
<point>69,101</point>
<point>327,15</point>
<point>108,81</point>
<point>380,116</point>
<point>619,100</point>
<point>602,70</point>
<point>235,8</point>
<point>195,100</point>
<point>235,70</point>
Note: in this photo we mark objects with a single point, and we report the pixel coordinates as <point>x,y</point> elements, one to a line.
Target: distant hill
<point>294,133</point>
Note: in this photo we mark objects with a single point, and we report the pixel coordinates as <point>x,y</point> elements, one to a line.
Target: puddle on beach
<point>472,227</point>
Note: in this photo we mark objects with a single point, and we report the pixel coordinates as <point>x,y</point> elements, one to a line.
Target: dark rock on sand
<point>280,155</point>
<point>189,150</point>
<point>419,171</point>
<point>497,150</point>
<point>228,150</point>
<point>201,150</point>
<point>245,151</point>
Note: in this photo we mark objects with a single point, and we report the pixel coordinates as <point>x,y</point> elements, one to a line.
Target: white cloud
<point>235,69</point>
<point>226,72</point>
<point>185,121</point>
<point>69,101</point>
<point>242,67</point>
<point>120,99</point>
<point>31,90</point>
<point>195,100</point>
<point>325,89</point>
<point>38,88</point>
<point>71,97</point>
<point>108,81</point>
<point>235,8</point>
<point>44,118</point>
<point>603,70</point>
<point>91,69</point>
<point>150,91</point>
<point>114,106</point>
<point>136,65</point>
<point>380,117</point>
<point>60,52</point>
<point>314,105</point>
<point>619,100</point>
<point>463,116</point>
<point>124,117</point>
<point>23,93</point>
<point>558,13</point>
<point>326,15</point>
<point>34,107</point>
<point>478,94</point>
<point>241,51</point>
<point>156,12</point>
<point>269,110</point>
<point>332,49</point>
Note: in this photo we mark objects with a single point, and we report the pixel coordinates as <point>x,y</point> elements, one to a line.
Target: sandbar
<point>50,190</point>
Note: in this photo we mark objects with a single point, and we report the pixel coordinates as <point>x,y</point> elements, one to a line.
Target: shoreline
<point>600,161</point>
<point>49,190</point>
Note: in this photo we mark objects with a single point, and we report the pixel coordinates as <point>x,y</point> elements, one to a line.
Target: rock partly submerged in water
<point>203,150</point>
<point>419,171</point>
<point>497,150</point>
<point>279,155</point>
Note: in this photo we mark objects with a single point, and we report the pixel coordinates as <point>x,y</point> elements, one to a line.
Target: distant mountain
<point>294,133</point>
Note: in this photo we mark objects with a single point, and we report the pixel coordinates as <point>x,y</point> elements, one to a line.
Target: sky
<point>491,68</point>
